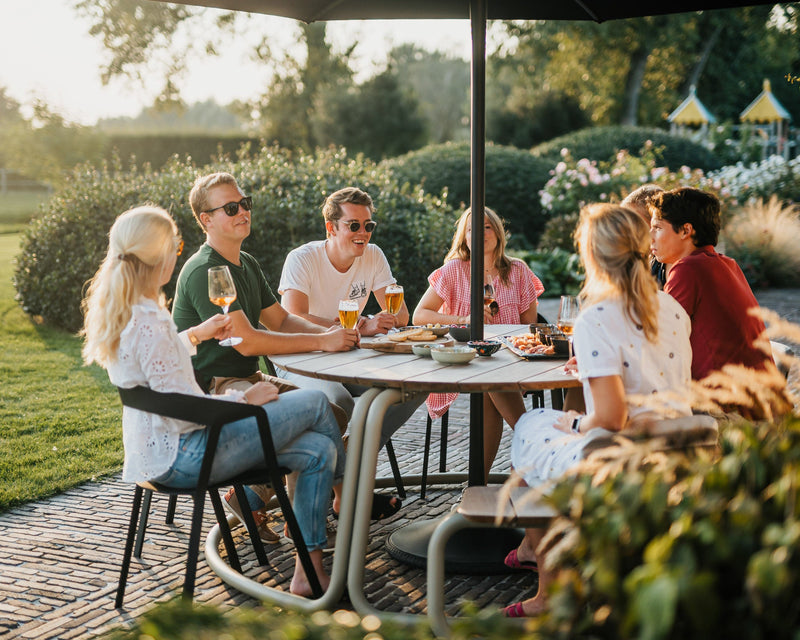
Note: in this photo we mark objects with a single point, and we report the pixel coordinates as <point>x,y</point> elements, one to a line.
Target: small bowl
<point>560,344</point>
<point>423,350</point>
<point>460,333</point>
<point>437,331</point>
<point>485,347</point>
<point>453,355</point>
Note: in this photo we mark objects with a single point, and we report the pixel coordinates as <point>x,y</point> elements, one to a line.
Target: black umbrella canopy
<point>597,10</point>
<point>477,12</point>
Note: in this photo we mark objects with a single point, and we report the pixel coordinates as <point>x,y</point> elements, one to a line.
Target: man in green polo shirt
<point>224,213</point>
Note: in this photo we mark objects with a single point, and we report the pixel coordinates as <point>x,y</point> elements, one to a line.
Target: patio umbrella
<point>478,12</point>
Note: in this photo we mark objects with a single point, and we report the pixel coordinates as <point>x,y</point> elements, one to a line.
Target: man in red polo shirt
<point>684,228</point>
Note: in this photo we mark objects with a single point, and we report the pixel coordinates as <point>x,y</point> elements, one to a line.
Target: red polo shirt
<point>714,292</point>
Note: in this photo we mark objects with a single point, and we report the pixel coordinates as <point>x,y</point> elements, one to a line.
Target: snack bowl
<point>437,330</point>
<point>423,350</point>
<point>460,332</point>
<point>560,344</point>
<point>485,347</point>
<point>453,355</point>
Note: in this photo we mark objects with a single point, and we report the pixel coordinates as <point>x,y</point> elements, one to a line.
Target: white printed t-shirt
<point>309,270</point>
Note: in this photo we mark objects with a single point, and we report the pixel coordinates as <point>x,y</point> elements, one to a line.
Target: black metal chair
<point>214,415</point>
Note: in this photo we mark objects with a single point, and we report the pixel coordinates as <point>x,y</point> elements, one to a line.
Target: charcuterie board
<point>386,345</point>
<point>527,355</point>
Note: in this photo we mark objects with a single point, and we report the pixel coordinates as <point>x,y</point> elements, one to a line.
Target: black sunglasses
<point>232,208</point>
<point>369,225</point>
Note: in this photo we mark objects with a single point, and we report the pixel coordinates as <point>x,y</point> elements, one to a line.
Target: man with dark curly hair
<point>684,228</point>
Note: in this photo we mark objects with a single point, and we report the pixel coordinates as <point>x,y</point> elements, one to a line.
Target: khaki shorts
<point>220,385</point>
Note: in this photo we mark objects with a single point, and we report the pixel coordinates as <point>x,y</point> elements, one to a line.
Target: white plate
<point>453,355</point>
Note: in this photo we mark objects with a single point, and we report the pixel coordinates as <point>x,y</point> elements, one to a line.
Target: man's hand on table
<point>338,339</point>
<point>379,323</point>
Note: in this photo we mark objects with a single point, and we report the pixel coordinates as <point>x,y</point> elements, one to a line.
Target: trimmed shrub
<point>559,270</point>
<point>513,180</point>
<point>603,143</point>
<point>62,250</point>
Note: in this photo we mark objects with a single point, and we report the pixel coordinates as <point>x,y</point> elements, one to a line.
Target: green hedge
<point>513,180</point>
<point>157,149</point>
<point>63,249</point>
<point>603,143</point>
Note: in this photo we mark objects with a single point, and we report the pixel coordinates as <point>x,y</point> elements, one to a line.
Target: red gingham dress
<point>451,283</point>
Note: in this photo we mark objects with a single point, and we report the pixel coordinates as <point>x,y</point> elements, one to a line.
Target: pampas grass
<point>764,239</point>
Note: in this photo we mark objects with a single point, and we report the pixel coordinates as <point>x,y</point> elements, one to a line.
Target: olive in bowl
<point>485,347</point>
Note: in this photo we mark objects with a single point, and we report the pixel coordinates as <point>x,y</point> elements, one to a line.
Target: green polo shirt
<point>192,306</point>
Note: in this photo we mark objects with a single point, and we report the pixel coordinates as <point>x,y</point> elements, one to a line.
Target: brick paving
<point>59,558</point>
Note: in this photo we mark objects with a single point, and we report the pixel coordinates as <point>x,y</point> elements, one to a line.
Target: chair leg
<point>425,454</point>
<point>126,555</point>
<point>443,442</point>
<point>145,515</point>
<point>225,530</point>
<point>299,541</point>
<point>173,501</point>
<point>398,479</point>
<point>250,525</point>
<point>199,498</point>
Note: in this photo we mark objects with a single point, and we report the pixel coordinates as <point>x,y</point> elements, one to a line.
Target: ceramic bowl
<point>423,350</point>
<point>485,347</point>
<point>452,355</point>
<point>460,333</point>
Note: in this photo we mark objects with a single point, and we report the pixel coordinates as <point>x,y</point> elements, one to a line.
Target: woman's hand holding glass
<point>218,326</point>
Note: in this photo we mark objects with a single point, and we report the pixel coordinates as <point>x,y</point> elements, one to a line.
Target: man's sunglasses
<point>369,225</point>
<point>232,208</point>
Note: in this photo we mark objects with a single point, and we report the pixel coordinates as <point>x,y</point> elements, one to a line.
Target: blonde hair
<point>198,196</point>
<point>460,248</point>
<point>140,242</point>
<point>614,244</point>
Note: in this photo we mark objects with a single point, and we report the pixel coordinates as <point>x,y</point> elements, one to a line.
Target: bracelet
<point>576,425</point>
<point>193,338</point>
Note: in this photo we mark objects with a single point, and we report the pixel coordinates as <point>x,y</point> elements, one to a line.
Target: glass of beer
<point>394,298</point>
<point>222,292</point>
<point>348,313</point>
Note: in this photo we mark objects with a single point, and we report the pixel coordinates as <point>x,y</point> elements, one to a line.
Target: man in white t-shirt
<point>345,266</point>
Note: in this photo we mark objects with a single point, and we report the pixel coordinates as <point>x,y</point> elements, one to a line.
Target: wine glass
<point>567,313</point>
<point>394,298</point>
<point>348,313</point>
<point>222,292</point>
<point>488,294</point>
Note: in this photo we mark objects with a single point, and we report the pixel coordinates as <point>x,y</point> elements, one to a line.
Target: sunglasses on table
<point>355,225</point>
<point>232,208</point>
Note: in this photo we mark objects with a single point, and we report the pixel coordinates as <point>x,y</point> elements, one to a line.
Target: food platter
<point>508,342</point>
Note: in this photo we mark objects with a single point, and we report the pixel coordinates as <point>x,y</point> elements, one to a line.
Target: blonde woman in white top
<point>130,333</point>
<point>630,339</point>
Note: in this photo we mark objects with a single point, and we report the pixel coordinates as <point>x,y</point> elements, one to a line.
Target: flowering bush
<point>574,184</point>
<point>772,176</point>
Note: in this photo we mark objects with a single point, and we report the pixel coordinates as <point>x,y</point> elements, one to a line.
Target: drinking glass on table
<point>394,298</point>
<point>348,313</point>
<point>222,292</point>
<point>488,295</point>
<point>567,313</point>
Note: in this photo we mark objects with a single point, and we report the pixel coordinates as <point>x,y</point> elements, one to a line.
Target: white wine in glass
<point>348,313</point>
<point>222,292</point>
<point>394,298</point>
<point>567,313</point>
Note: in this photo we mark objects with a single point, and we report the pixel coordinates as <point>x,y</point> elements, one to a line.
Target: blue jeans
<point>306,439</point>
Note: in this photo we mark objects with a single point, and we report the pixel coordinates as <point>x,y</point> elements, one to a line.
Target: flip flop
<point>512,561</point>
<point>382,506</point>
<point>514,611</point>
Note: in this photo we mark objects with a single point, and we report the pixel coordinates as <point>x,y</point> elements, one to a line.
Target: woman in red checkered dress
<point>447,301</point>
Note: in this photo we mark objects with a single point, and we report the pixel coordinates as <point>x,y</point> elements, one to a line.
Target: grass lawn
<point>18,207</point>
<point>60,420</point>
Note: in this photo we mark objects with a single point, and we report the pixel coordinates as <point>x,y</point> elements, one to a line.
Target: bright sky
<point>46,53</point>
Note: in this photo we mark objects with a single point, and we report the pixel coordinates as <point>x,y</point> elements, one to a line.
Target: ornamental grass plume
<point>763,238</point>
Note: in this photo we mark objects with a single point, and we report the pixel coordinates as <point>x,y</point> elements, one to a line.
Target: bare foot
<point>534,606</point>
<point>300,585</point>
<point>525,552</point>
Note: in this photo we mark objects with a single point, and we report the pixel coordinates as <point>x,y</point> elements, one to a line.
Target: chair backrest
<point>687,432</point>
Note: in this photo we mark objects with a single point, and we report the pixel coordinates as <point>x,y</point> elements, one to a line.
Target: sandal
<point>383,506</point>
<point>514,611</point>
<point>512,561</point>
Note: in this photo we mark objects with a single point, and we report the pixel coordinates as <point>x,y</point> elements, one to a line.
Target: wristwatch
<point>576,425</point>
<point>192,338</point>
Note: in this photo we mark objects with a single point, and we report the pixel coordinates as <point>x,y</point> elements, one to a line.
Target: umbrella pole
<point>477,198</point>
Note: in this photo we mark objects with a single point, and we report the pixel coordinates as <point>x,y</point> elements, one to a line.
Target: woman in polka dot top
<point>630,340</point>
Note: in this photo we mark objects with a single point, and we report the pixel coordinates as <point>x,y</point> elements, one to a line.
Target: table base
<point>477,551</point>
